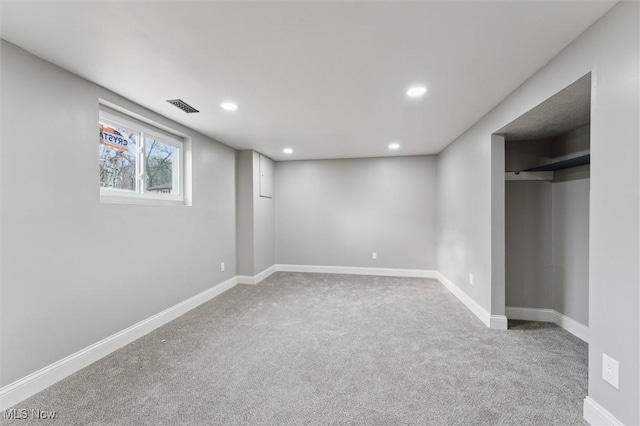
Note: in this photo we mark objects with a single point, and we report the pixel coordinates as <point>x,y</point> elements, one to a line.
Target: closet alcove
<point>547,179</point>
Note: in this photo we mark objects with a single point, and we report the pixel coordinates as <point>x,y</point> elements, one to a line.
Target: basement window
<point>139,164</point>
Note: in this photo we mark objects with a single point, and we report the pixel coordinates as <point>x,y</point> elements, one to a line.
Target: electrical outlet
<point>221,266</point>
<point>374,256</point>
<point>610,371</point>
<point>471,279</point>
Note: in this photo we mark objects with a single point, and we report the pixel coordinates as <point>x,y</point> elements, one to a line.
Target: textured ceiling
<point>327,79</point>
<point>565,111</point>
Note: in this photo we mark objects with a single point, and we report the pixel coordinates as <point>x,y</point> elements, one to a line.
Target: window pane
<point>118,151</point>
<point>158,165</point>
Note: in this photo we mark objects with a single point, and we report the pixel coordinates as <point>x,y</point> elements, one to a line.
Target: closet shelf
<point>564,164</point>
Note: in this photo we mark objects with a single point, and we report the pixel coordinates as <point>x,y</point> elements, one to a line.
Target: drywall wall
<point>571,144</point>
<point>255,216</point>
<point>463,206</point>
<point>528,228</point>
<point>74,270</point>
<point>525,154</point>
<point>244,212</point>
<point>337,212</point>
<point>1,212</point>
<point>263,221</point>
<point>570,211</point>
<point>609,49</point>
<point>529,254</point>
<point>547,244</point>
<point>547,227</point>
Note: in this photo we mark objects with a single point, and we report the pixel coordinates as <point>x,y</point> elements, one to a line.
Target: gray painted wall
<point>611,49</point>
<point>547,228</point>
<point>547,244</point>
<point>255,217</point>
<point>570,206</point>
<point>263,222</point>
<point>529,255</point>
<point>522,155</point>
<point>464,213</point>
<point>65,232</point>
<point>528,228</point>
<point>571,144</point>
<point>244,212</point>
<point>74,270</point>
<point>337,212</point>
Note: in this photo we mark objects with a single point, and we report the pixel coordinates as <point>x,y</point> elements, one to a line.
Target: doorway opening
<point>546,211</point>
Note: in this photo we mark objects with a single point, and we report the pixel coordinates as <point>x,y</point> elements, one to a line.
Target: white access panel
<point>266,177</point>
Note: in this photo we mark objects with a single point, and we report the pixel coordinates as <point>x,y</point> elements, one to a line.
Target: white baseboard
<point>47,376</point>
<point>492,321</point>
<point>22,389</point>
<point>386,272</point>
<point>579,330</point>
<point>596,414</point>
<point>574,327</point>
<point>246,279</point>
<point>529,314</point>
<point>498,322</point>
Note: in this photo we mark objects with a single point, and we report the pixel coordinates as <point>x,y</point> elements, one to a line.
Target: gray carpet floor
<point>330,349</point>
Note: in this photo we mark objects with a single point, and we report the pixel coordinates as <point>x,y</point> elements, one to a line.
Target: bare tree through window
<point>138,162</point>
<point>118,151</point>
<point>158,166</point>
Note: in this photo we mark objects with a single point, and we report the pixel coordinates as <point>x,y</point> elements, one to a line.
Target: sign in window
<point>138,163</point>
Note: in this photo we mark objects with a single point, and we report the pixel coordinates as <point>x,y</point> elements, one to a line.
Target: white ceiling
<point>327,79</point>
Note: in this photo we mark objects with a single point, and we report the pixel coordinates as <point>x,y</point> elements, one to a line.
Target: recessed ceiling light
<point>394,145</point>
<point>229,106</point>
<point>287,151</point>
<point>416,91</point>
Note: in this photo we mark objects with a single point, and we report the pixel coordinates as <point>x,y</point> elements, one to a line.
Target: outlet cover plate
<point>611,371</point>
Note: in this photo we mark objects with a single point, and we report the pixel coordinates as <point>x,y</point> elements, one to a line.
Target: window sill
<point>107,197</point>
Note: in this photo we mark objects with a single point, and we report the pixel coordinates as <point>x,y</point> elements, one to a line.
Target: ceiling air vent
<point>182,105</point>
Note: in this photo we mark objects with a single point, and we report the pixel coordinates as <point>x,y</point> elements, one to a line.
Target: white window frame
<point>141,196</point>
